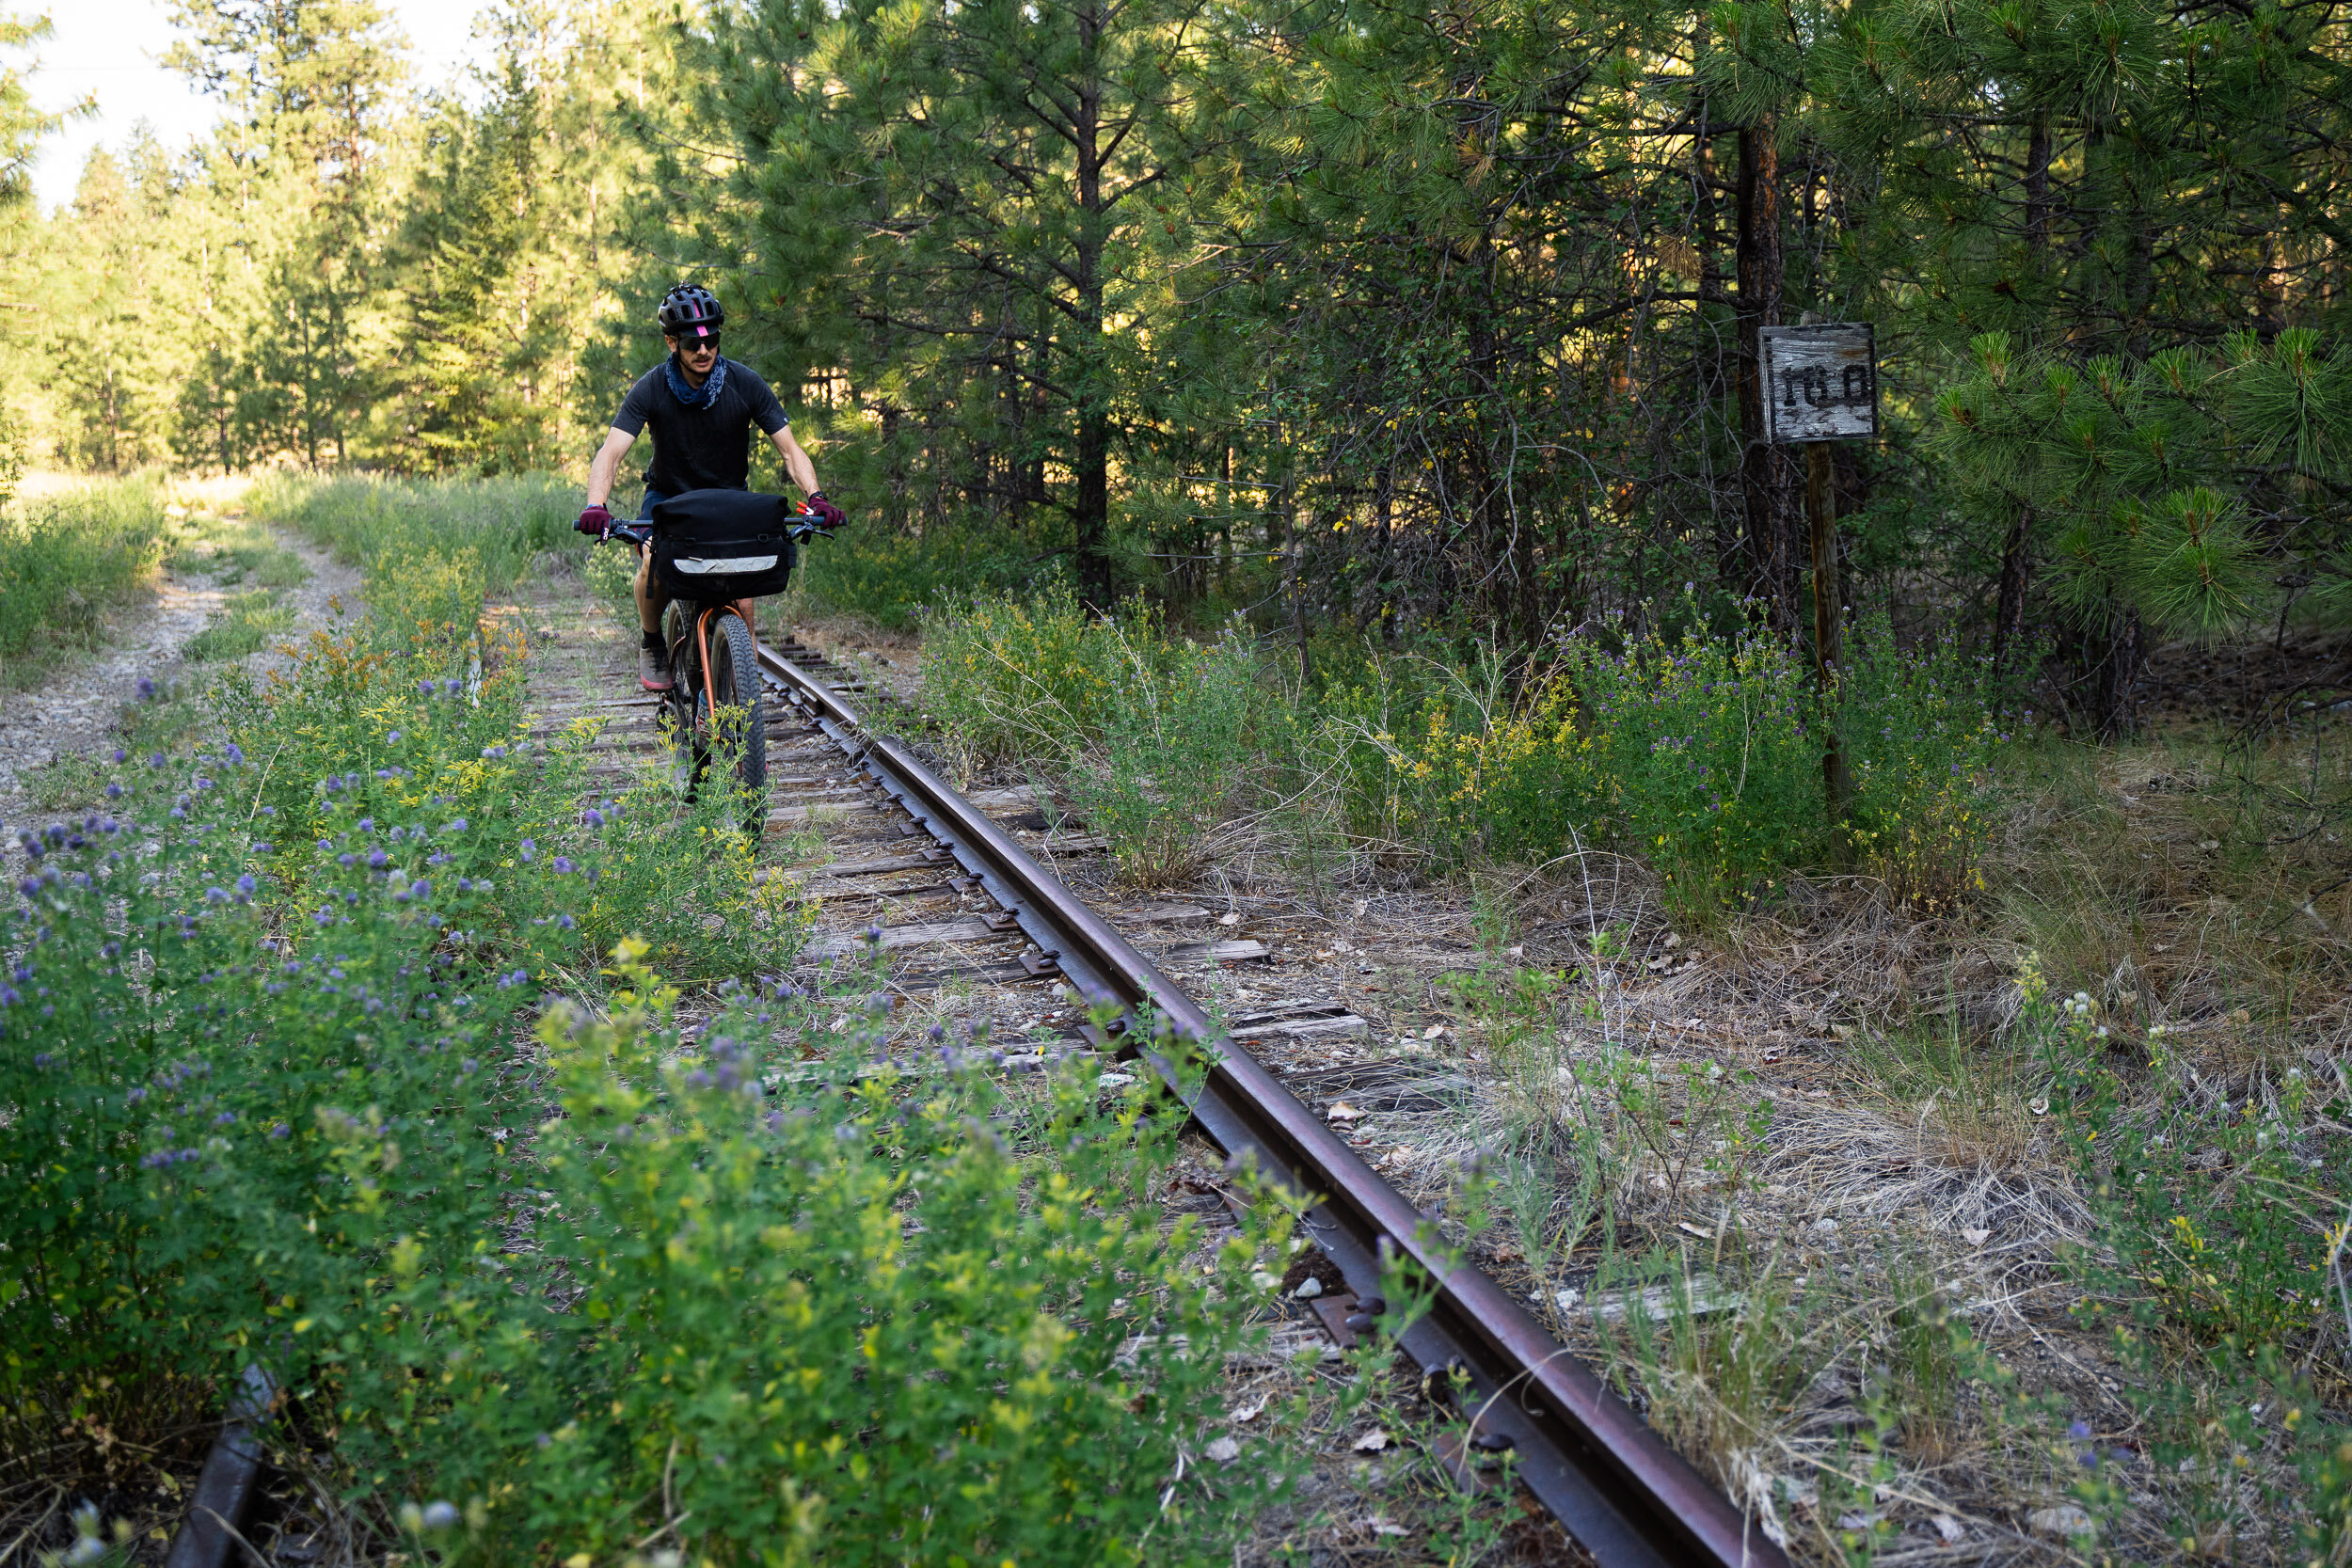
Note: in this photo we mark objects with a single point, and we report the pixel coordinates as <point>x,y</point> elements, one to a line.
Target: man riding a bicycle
<point>702,410</point>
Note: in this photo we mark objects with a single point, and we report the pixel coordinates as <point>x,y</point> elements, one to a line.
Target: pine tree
<point>2099,199</point>
<point>308,83</point>
<point>21,128</point>
<point>957,207</point>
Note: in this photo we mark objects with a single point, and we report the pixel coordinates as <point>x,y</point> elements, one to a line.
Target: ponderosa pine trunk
<point>1768,557</point>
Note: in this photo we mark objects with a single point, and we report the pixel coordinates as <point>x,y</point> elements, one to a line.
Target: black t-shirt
<point>707,448</point>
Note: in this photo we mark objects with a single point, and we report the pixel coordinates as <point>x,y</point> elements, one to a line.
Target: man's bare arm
<point>796,463</point>
<point>606,463</point>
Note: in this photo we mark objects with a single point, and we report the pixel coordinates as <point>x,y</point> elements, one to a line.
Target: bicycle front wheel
<point>737,711</point>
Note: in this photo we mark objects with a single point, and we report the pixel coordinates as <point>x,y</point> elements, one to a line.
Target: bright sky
<point>114,49</point>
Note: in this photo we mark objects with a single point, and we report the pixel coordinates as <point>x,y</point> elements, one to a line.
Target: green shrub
<point>1921,739</point>
<point>861,1321</point>
<point>1006,677</point>
<point>2218,1269</point>
<point>63,558</point>
<point>266,1102</point>
<point>1711,753</point>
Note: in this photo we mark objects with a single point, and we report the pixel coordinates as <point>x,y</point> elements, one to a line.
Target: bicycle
<point>716,701</point>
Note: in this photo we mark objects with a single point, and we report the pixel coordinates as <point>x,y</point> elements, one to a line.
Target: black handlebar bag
<point>722,545</point>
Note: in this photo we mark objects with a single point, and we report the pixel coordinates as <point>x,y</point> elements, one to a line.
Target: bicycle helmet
<point>690,310</point>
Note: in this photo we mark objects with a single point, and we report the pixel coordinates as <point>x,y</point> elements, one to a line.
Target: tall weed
<point>1702,756</point>
<point>63,558</point>
<point>504,522</point>
<point>1163,741</point>
<point>1455,767</point>
<point>1176,755</point>
<point>891,578</point>
<point>1006,677</point>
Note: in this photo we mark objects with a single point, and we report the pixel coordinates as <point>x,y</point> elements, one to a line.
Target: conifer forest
<point>1848,924</point>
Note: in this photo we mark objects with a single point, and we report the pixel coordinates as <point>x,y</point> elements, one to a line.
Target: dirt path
<point>77,709</point>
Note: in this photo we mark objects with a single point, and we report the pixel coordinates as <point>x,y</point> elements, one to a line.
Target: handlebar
<point>637,531</point>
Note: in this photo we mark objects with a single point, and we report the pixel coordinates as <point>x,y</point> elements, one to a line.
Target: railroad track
<point>1609,1480</point>
<point>967,902</point>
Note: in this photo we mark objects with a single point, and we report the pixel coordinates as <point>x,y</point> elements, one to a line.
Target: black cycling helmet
<point>690,310</point>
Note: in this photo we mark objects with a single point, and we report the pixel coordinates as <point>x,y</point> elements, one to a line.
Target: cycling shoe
<point>653,669</point>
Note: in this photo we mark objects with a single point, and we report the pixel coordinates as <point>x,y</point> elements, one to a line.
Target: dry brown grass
<point>1911,1181</point>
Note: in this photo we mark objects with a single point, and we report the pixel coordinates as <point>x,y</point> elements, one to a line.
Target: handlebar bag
<point>715,545</point>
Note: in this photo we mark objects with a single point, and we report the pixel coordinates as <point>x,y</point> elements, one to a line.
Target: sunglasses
<point>695,345</point>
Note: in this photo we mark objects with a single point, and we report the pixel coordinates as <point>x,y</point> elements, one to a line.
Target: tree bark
<point>1092,513</point>
<point>2037,186</point>
<point>2115,679</point>
<point>2008,615</point>
<point>1767,556</point>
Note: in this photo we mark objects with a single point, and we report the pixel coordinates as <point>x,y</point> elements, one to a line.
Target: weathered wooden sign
<point>1821,383</point>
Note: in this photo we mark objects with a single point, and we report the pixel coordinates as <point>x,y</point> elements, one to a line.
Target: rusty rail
<point>1610,1482</point>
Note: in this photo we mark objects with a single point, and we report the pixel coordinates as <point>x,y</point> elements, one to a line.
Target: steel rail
<point>231,1480</point>
<point>1612,1482</point>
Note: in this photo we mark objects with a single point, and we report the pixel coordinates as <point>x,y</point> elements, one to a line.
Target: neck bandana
<point>696,397</point>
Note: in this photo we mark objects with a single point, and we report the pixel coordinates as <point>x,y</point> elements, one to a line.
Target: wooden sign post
<point>1821,385</point>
